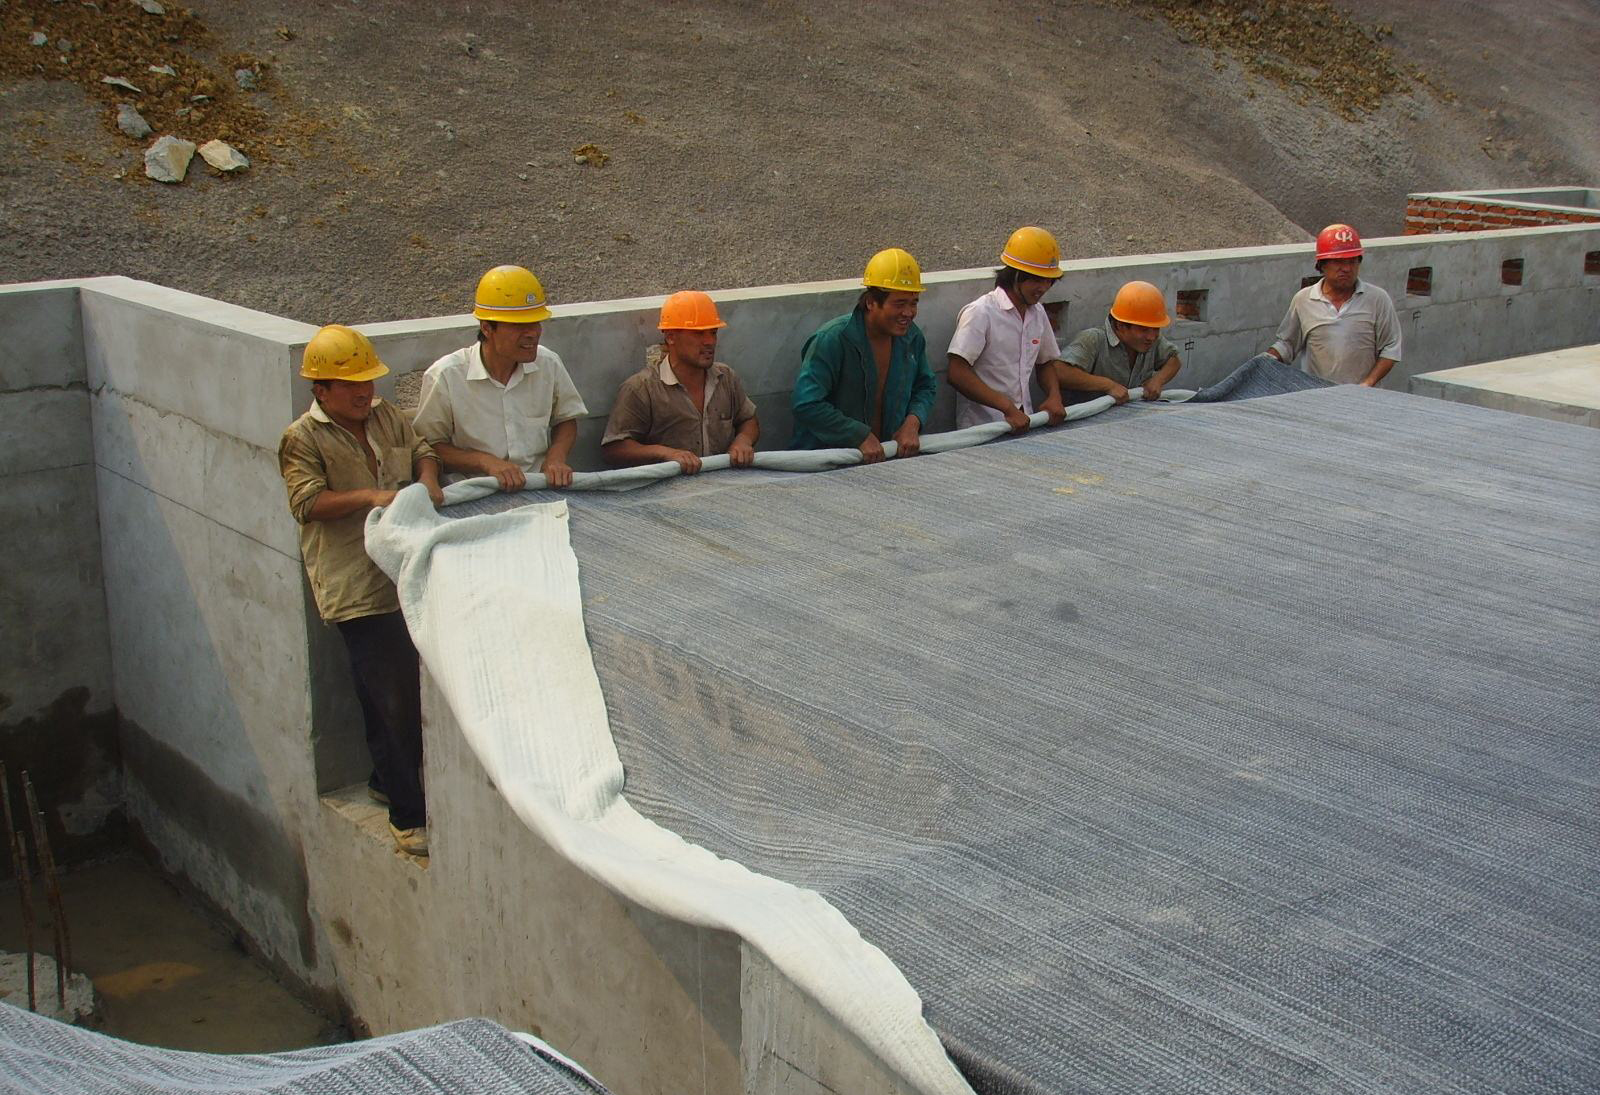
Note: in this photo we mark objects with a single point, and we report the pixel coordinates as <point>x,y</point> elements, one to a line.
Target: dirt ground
<point>166,974</point>
<point>754,143</point>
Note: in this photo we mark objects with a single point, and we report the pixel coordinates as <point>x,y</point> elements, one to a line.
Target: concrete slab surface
<point>1563,385</point>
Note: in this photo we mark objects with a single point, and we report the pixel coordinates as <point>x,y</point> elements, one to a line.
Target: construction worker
<point>505,405</point>
<point>345,456</point>
<point>1127,351</point>
<point>1004,339</point>
<point>865,375</point>
<point>1346,329</point>
<point>684,403</point>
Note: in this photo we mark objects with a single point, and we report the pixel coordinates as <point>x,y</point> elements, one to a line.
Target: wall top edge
<point>1506,198</point>
<point>204,310</point>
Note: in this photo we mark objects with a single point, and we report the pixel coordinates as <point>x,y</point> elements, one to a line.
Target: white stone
<point>246,79</point>
<point>223,156</point>
<point>131,122</point>
<point>118,81</point>
<point>38,38</point>
<point>151,7</point>
<point>80,1003</point>
<point>168,159</point>
<point>163,70</point>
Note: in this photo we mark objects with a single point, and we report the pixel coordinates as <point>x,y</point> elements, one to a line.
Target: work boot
<point>411,841</point>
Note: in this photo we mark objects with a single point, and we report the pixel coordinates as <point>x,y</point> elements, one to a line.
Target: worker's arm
<point>1052,405</point>
<point>1071,376</point>
<point>1163,376</point>
<point>557,473</point>
<point>627,452</point>
<point>426,470</point>
<point>821,364</point>
<point>964,379</point>
<point>742,450</point>
<point>1379,371</point>
<point>471,462</point>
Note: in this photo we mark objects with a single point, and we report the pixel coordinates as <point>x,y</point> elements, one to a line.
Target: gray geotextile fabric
<point>40,1056</point>
<point>1261,375</point>
<point>1248,747</point>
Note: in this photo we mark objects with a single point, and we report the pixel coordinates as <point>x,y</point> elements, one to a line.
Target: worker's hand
<point>435,494</point>
<point>688,461</point>
<point>1017,420</point>
<point>507,474</point>
<point>1152,389</point>
<point>741,454</point>
<point>871,450</point>
<point>380,497</point>
<point>556,473</point>
<point>1117,392</point>
<point>908,437</point>
<point>1369,383</point>
<point>1056,408</point>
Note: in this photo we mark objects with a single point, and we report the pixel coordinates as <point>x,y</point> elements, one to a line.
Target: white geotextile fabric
<point>494,606</point>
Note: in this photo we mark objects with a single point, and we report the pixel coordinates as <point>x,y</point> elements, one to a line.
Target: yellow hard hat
<point>689,310</point>
<point>1140,304</point>
<point>510,294</point>
<point>338,352</point>
<point>1033,251</point>
<point>895,270</point>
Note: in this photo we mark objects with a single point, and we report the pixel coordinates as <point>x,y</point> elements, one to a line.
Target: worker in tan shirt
<point>684,404</point>
<point>346,455</point>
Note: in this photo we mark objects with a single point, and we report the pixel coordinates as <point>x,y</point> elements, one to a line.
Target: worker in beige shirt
<point>684,404</point>
<point>504,406</point>
<point>349,453</point>
<point>1342,329</point>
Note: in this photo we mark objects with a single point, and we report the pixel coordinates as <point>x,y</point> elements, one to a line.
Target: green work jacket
<point>838,379</point>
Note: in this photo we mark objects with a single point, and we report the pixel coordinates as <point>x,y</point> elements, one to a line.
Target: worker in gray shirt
<point>1127,351</point>
<point>1346,329</point>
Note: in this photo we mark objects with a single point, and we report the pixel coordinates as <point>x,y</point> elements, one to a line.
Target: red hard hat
<point>1338,241</point>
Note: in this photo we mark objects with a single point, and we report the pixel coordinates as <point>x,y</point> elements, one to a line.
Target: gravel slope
<point>752,144</point>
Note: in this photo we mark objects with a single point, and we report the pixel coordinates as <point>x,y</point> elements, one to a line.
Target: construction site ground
<point>400,149</point>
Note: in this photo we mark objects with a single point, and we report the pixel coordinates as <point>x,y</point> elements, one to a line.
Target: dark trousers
<point>389,686</point>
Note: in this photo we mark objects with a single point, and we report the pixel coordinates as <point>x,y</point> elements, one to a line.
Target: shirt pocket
<point>395,469</point>
<point>527,436</point>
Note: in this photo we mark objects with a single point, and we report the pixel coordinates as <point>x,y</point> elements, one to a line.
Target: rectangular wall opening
<point>1419,281</point>
<point>1511,272</point>
<point>1310,280</point>
<point>1192,304</point>
<point>1591,262</point>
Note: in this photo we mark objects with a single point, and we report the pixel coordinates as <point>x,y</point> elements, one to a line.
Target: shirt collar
<point>1111,334</point>
<point>321,415</point>
<point>1316,290</point>
<point>477,371</point>
<point>1003,298</point>
<point>664,370</point>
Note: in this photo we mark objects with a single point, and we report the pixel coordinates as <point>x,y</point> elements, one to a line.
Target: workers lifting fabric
<point>349,453</point>
<point>1127,351</point>
<point>1344,329</point>
<point>505,405</point>
<point>865,376</point>
<point>684,404</point>
<point>1004,339</point>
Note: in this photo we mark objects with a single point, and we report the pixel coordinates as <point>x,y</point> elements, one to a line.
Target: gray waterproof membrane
<point>1235,748</point>
<point>471,1057</point>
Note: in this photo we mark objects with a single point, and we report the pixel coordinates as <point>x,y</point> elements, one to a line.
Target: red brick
<point>1497,220</point>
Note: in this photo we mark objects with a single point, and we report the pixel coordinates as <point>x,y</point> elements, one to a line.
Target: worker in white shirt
<point>1004,339</point>
<point>504,406</point>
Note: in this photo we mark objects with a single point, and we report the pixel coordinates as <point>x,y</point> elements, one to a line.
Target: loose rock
<point>163,70</point>
<point>38,38</point>
<point>151,7</point>
<point>246,79</point>
<point>223,156</point>
<point>131,122</point>
<point>168,159</point>
<point>118,81</point>
<point>63,45</point>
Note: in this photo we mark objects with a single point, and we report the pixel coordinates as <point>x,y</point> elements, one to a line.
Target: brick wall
<point>1426,213</point>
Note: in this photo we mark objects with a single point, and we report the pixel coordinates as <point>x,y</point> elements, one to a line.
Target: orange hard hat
<point>1140,304</point>
<point>689,310</point>
<point>1338,241</point>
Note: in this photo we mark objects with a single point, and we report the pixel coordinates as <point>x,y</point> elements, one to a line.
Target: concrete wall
<point>1467,316</point>
<point>56,718</point>
<point>155,569</point>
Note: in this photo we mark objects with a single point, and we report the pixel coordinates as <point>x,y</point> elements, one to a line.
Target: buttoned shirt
<point>462,405</point>
<point>1340,343</point>
<point>653,408</point>
<point>317,454</point>
<point>1099,351</point>
<point>1004,347</point>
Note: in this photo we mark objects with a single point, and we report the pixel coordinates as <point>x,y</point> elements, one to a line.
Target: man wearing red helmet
<point>1346,329</point>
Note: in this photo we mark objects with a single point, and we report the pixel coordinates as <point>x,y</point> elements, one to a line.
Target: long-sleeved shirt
<point>834,394</point>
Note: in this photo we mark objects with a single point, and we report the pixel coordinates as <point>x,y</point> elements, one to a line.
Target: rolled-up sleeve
<point>744,406</point>
<point>304,474</point>
<point>1291,338</point>
<point>1386,332</point>
<point>630,414</point>
<point>568,404</point>
<point>435,419</point>
<point>972,332</point>
<point>1082,350</point>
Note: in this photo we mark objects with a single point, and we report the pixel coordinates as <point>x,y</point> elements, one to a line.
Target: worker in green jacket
<point>865,376</point>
